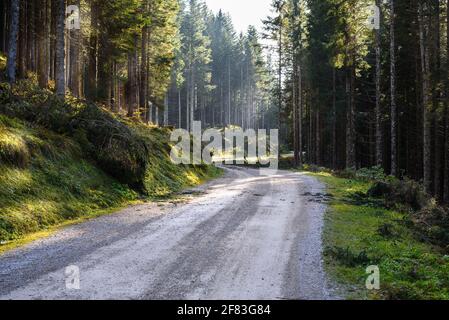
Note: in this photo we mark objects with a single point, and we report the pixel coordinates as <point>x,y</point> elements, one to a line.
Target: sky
<point>243,12</point>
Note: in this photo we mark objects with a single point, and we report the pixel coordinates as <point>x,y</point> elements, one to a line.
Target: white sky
<point>243,12</point>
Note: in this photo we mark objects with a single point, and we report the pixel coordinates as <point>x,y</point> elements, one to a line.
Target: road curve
<point>245,236</point>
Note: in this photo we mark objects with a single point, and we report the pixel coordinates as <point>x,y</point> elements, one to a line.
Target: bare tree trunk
<point>192,100</point>
<point>318,137</point>
<point>144,66</point>
<point>446,157</point>
<point>133,79</point>
<point>295,113</point>
<point>438,121</point>
<point>188,102</point>
<point>300,114</point>
<point>394,113</point>
<point>179,109</point>
<point>334,118</point>
<point>166,110</point>
<point>76,62</point>
<point>92,80</point>
<point>12,44</point>
<point>42,66</point>
<point>280,75</point>
<point>379,135</point>
<point>229,91</point>
<point>60,49</point>
<point>350,134</point>
<point>425,67</point>
<point>23,21</point>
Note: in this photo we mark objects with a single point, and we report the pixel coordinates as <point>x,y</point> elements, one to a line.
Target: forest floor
<point>243,236</point>
<point>359,233</point>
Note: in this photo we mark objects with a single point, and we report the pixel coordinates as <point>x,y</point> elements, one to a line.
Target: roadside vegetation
<point>65,160</point>
<point>378,220</point>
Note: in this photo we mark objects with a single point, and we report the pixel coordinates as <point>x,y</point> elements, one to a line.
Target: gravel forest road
<point>243,236</point>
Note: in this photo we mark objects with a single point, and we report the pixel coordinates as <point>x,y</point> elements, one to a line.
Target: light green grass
<point>355,237</point>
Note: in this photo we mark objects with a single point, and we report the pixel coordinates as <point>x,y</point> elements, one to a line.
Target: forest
<point>167,62</point>
<point>90,91</point>
<point>343,94</point>
<point>358,96</point>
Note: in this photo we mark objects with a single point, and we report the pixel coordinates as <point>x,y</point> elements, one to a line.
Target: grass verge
<point>360,233</point>
<point>47,180</point>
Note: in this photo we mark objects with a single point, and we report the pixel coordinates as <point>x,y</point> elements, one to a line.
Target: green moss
<point>354,228</point>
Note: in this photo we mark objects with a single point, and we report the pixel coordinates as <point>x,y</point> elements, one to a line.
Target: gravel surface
<point>243,236</point>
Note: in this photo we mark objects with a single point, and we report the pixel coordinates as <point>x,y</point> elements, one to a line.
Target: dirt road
<point>243,236</point>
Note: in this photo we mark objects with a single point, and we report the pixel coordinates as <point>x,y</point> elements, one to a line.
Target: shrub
<point>407,192</point>
<point>433,220</point>
<point>379,190</point>
<point>371,174</point>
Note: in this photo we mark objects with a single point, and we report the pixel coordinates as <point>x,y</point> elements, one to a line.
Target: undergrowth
<point>361,231</point>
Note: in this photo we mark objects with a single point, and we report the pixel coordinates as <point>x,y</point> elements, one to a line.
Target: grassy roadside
<point>92,214</point>
<point>64,162</point>
<point>46,183</point>
<point>359,233</point>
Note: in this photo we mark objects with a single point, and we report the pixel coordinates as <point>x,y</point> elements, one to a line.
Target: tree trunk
<point>12,44</point>
<point>229,91</point>
<point>334,118</point>
<point>42,67</point>
<point>92,74</point>
<point>60,49</point>
<point>179,109</point>
<point>318,137</point>
<point>425,68</point>
<point>23,21</point>
<point>446,157</point>
<point>144,66</point>
<point>295,113</point>
<point>166,110</point>
<point>379,135</point>
<point>394,129</point>
<point>76,60</point>
<point>132,80</point>
<point>438,173</point>
<point>350,134</point>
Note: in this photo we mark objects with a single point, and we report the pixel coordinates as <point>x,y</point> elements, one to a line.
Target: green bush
<point>406,193</point>
<point>371,174</point>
